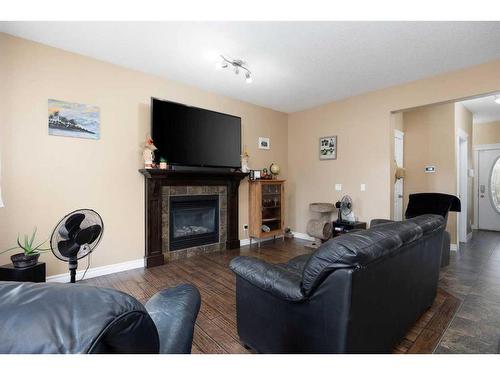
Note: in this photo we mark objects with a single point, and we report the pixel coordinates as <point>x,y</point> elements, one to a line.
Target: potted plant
<point>31,253</point>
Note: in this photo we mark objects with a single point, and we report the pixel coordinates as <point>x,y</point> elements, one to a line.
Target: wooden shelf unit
<point>267,207</point>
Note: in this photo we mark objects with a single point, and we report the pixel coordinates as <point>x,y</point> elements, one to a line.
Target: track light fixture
<point>237,65</point>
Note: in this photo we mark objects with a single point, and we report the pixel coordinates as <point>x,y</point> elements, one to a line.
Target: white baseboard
<point>453,247</point>
<point>303,236</point>
<point>98,271</point>
<point>474,226</point>
<point>246,241</point>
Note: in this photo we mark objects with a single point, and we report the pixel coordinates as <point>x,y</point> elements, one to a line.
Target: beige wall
<point>463,121</point>
<point>486,133</point>
<point>363,125</point>
<point>430,141</point>
<point>45,177</point>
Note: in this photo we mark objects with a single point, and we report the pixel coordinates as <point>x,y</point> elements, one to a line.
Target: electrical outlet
<point>338,187</point>
<point>245,226</point>
<point>363,187</point>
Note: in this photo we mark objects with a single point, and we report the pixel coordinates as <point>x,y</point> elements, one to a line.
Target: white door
<point>489,190</point>
<point>398,185</point>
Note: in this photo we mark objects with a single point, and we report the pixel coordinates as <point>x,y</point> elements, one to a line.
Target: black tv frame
<point>204,109</point>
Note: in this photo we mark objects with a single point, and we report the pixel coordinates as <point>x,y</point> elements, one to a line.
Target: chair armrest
<point>174,313</point>
<point>376,222</point>
<point>270,278</point>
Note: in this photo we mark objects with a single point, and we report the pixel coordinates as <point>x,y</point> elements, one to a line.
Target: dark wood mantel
<point>156,178</point>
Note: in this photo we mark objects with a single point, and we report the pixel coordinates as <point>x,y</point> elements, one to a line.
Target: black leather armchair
<point>430,203</point>
<point>64,318</point>
<point>357,293</point>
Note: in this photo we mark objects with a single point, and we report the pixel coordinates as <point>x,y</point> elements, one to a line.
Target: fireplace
<point>162,185</point>
<point>194,221</point>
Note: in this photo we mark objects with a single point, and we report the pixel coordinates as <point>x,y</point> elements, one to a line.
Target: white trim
<point>475,189</point>
<point>99,271</point>
<point>462,134</point>
<point>398,134</point>
<point>492,146</point>
<point>303,236</point>
<point>246,241</point>
<point>462,159</point>
<point>453,247</point>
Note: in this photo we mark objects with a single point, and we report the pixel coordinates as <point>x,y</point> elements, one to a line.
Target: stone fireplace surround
<point>161,184</point>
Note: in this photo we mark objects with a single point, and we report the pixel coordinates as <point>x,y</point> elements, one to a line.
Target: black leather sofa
<point>430,203</point>
<point>63,318</point>
<point>357,293</point>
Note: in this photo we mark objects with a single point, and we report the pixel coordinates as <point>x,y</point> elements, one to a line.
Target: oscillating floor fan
<point>76,236</point>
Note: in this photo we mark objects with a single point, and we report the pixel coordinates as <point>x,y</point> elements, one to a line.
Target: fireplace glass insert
<point>194,221</point>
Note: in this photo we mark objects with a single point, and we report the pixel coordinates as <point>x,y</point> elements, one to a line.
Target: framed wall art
<point>328,148</point>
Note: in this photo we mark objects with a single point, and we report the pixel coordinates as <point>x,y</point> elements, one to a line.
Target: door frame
<point>462,144</point>
<point>400,135</point>
<point>475,150</point>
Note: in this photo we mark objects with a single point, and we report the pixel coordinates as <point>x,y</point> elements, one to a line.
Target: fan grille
<point>60,234</point>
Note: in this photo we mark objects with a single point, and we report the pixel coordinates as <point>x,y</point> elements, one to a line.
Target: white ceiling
<point>296,65</point>
<point>483,109</point>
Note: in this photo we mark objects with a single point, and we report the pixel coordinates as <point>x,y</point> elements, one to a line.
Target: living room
<point>99,154</point>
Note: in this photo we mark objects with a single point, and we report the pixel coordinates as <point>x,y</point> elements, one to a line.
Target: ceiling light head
<point>237,65</point>
<point>221,65</point>
<point>497,99</point>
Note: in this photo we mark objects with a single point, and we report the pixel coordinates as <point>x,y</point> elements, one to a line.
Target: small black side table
<point>34,273</point>
<point>345,227</point>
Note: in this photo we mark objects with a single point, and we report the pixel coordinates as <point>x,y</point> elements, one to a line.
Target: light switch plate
<point>362,187</point>
<point>338,187</point>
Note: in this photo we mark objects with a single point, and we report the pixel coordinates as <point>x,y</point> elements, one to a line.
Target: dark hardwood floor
<point>215,330</point>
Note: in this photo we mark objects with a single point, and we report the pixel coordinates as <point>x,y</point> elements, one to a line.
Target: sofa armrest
<point>376,222</point>
<point>174,311</point>
<point>270,278</point>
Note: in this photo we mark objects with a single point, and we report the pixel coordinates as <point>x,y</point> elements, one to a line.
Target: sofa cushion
<point>358,249</point>
<point>69,318</point>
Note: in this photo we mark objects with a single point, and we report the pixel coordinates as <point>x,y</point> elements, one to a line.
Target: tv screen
<point>193,136</point>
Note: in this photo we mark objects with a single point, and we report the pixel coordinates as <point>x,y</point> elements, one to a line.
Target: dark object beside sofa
<point>431,203</point>
<point>63,318</point>
<point>357,293</point>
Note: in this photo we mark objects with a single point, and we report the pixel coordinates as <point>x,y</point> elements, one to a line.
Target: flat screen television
<point>190,136</point>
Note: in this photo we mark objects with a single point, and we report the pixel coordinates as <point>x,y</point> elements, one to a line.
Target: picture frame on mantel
<point>328,148</point>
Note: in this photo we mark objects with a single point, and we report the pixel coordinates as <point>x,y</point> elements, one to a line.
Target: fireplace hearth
<point>194,221</point>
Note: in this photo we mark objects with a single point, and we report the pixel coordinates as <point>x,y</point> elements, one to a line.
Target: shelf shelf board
<point>271,219</point>
<point>271,207</point>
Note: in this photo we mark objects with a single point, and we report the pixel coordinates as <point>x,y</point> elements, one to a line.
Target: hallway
<point>474,276</point>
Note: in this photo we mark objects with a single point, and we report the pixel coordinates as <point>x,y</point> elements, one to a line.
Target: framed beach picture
<point>328,148</point>
<point>73,119</point>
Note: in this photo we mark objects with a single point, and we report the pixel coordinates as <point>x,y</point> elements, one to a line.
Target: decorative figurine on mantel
<point>148,153</point>
<point>244,162</point>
